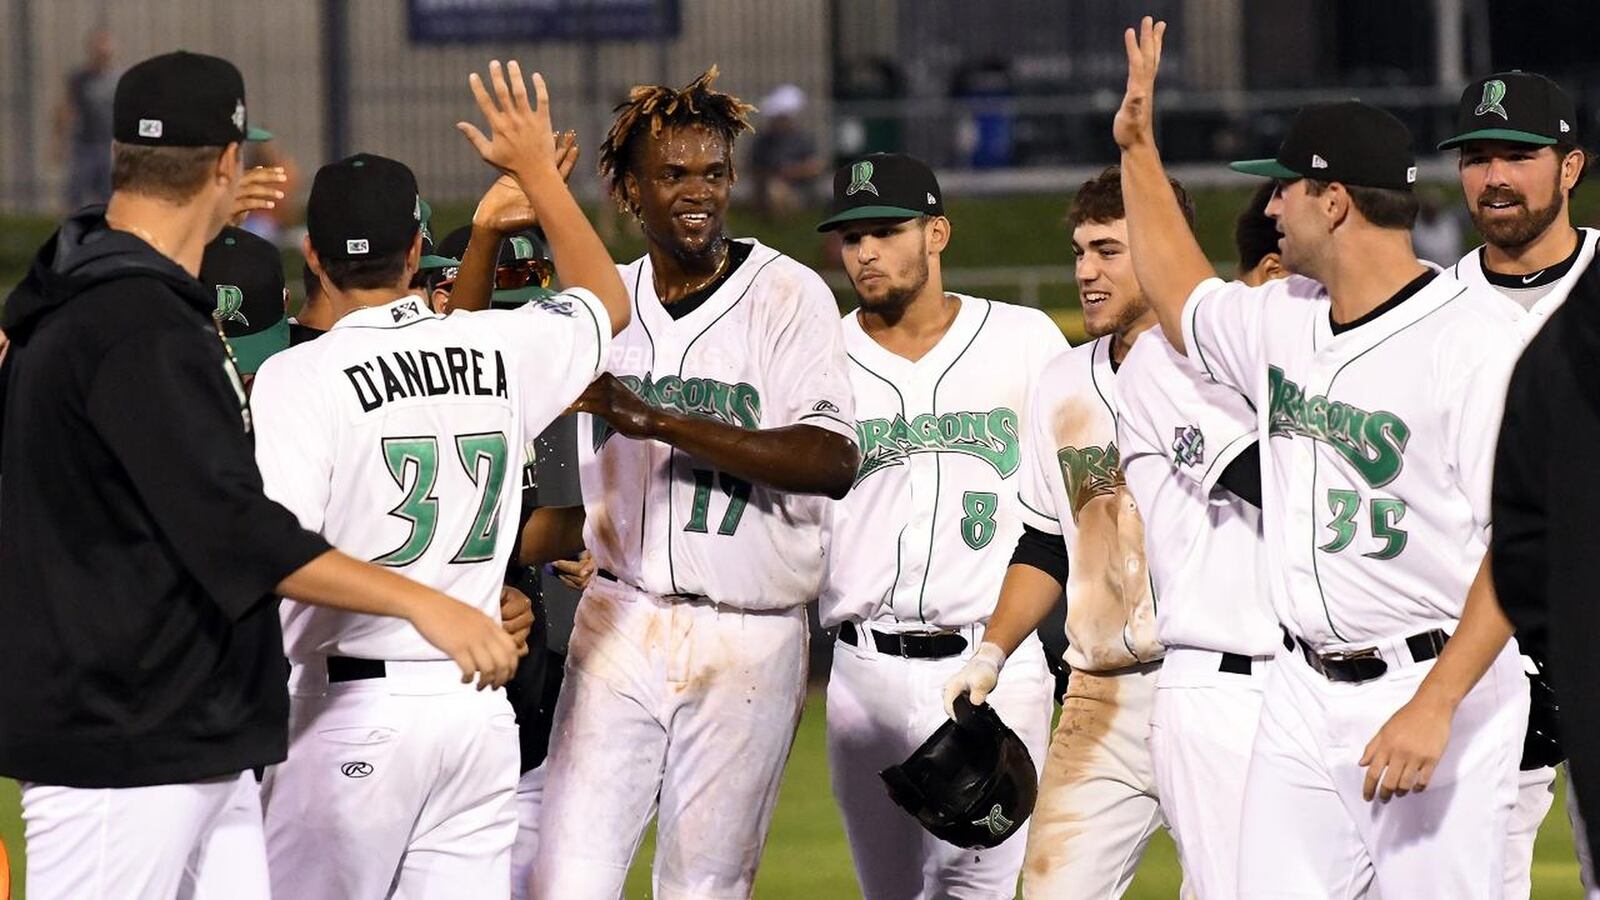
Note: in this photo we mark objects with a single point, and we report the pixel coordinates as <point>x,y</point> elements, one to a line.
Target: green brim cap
<point>430,261</point>
<point>857,213</point>
<point>519,296</point>
<point>1266,168</point>
<point>1498,134</point>
<point>257,134</point>
<point>251,350</point>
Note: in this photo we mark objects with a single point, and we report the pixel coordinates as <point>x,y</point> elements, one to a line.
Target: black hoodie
<point>139,643</point>
<point>1545,549</point>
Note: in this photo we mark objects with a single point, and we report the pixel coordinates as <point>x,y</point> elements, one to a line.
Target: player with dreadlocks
<point>707,455</point>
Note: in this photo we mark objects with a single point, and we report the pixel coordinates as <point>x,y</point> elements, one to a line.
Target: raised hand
<point>258,189</point>
<point>505,209</point>
<point>521,141</point>
<point>1135,120</point>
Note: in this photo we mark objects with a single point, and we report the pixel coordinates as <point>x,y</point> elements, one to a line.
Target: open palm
<point>1134,123</point>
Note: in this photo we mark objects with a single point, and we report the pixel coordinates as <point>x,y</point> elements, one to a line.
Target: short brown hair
<point>1383,207</point>
<point>1099,200</point>
<point>365,274</point>
<point>173,174</point>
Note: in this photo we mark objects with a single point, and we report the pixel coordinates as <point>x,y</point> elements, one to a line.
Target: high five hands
<point>1135,120</point>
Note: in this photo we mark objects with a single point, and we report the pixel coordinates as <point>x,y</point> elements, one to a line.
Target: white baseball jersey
<point>1073,486</point>
<point>1538,302</point>
<point>764,351</point>
<point>927,531</point>
<point>1177,433</point>
<point>1377,445</point>
<point>398,435</point>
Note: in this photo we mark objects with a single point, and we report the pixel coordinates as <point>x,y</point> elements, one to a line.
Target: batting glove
<point>976,679</point>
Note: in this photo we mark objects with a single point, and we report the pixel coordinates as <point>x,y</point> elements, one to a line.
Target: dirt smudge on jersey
<point>1087,715</point>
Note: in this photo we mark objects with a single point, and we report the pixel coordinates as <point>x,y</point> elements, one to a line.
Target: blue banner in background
<point>485,21</point>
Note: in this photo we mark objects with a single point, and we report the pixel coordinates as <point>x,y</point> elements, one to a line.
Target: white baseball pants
<point>530,800</point>
<point>1097,806</point>
<point>1200,739</point>
<point>881,708</point>
<point>683,710</point>
<point>198,841</point>
<point>401,786</point>
<point>1307,832</point>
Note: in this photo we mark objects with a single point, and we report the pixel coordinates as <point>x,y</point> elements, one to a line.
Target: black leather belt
<point>607,575</point>
<point>348,668</point>
<point>910,645</point>
<point>1354,666</point>
<point>1235,664</point>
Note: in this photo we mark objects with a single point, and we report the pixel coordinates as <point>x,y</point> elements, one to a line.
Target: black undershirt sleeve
<point>1042,550</point>
<point>1242,477</point>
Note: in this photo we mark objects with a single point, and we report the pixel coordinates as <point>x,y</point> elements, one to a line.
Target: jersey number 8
<point>420,455</point>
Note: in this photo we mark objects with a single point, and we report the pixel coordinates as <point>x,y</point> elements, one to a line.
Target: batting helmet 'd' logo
<point>230,303</point>
<point>356,769</point>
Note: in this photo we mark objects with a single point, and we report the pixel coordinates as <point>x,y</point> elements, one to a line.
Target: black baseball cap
<point>1517,106</point>
<point>517,249</point>
<point>182,99</point>
<point>431,258</point>
<point>252,302</point>
<point>1349,142</point>
<point>363,207</point>
<point>883,186</point>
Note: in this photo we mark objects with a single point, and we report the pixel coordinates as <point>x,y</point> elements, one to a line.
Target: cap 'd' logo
<point>230,303</point>
<point>356,246</point>
<point>238,114</point>
<point>1493,92</point>
<point>995,821</point>
<point>861,180</point>
<point>149,128</point>
<point>521,247</point>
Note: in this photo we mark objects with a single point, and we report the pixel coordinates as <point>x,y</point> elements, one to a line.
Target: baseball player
<point>1519,162</point>
<point>1190,459</point>
<point>142,651</point>
<point>1255,238</point>
<point>920,545</point>
<point>1097,806</point>
<point>246,273</point>
<point>1392,720</point>
<point>722,424</point>
<point>402,452</point>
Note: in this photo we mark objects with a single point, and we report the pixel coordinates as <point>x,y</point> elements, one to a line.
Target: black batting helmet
<point>972,783</point>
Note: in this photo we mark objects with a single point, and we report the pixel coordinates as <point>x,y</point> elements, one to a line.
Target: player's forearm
<point>552,533</point>
<point>1026,596</point>
<point>343,582</point>
<point>1167,259</point>
<point>1478,639</point>
<point>797,459</point>
<point>475,279</point>
<point>580,257</point>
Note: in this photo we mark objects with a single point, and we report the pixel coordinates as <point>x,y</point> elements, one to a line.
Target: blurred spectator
<point>1439,231</point>
<point>985,135</point>
<point>83,123</point>
<point>784,160</point>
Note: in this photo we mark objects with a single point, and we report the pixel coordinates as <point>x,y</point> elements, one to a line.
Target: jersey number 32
<point>415,460</point>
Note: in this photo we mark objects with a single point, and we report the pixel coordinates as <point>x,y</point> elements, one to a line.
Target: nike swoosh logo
<point>1529,279</point>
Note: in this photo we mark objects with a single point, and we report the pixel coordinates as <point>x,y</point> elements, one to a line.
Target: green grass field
<point>806,855</point>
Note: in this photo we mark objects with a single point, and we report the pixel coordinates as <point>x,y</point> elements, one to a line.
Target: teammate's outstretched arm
<point>1026,597</point>
<point>522,144</point>
<point>1166,257</point>
<point>551,533</point>
<point>503,209</point>
<point>799,459</point>
<point>476,642</point>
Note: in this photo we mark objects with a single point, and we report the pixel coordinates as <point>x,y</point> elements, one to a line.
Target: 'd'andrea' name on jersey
<point>403,374</point>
